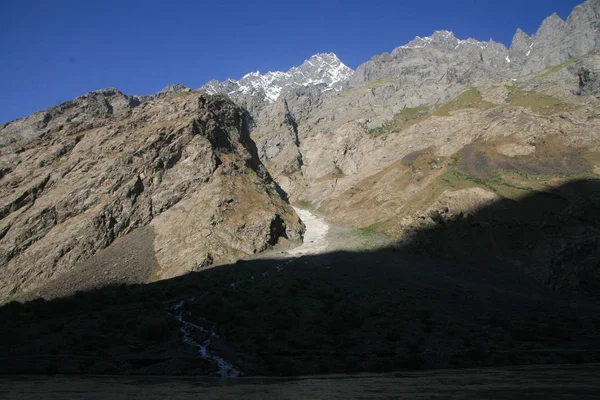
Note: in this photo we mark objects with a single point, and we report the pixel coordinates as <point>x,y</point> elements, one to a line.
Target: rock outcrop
<point>180,173</point>
<point>166,91</point>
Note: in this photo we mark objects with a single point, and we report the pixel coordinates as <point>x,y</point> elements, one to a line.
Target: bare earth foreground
<point>531,382</point>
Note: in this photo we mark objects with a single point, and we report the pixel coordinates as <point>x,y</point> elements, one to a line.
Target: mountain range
<point>290,114</point>
<point>482,159</point>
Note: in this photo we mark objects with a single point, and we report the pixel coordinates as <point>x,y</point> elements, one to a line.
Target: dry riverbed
<point>321,236</point>
<point>315,237</point>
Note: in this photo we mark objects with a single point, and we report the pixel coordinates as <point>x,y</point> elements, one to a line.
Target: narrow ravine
<point>191,331</point>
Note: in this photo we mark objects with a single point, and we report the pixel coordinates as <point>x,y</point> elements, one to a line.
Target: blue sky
<point>55,50</point>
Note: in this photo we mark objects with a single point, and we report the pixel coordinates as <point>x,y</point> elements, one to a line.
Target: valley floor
<point>530,382</point>
<point>318,309</point>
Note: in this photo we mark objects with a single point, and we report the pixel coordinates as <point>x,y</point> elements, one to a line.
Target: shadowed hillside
<point>551,236</point>
<point>513,283</point>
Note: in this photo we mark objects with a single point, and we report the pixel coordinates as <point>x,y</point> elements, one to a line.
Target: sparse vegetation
<point>457,179</point>
<point>468,99</point>
<point>480,165</point>
<point>537,102</point>
<point>368,232</point>
<point>496,181</point>
<point>402,120</point>
<point>556,68</point>
<point>250,173</point>
<point>367,85</point>
<point>351,313</point>
<point>379,82</point>
<point>307,205</point>
<point>336,173</point>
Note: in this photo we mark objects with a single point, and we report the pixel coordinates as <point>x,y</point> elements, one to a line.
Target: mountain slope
<point>448,123</point>
<point>182,168</point>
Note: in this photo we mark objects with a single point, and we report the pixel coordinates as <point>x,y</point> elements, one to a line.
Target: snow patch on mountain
<point>446,38</point>
<point>321,69</point>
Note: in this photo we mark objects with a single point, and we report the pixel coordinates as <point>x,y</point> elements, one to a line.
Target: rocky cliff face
<point>436,61</point>
<point>557,41</point>
<point>103,189</point>
<point>372,163</point>
<point>397,89</point>
<point>73,115</point>
<point>445,59</point>
<point>166,91</point>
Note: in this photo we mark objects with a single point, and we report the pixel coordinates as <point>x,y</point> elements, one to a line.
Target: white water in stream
<point>189,330</point>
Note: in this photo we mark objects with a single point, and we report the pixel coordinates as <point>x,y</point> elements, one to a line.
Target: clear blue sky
<point>54,50</point>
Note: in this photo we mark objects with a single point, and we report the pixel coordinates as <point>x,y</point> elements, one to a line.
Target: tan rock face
<point>376,156</point>
<point>339,145</point>
<point>182,164</point>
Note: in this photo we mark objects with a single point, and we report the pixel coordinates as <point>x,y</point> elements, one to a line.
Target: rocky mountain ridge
<point>322,72</point>
<point>425,73</point>
<point>555,42</point>
<point>107,190</point>
<point>467,60</point>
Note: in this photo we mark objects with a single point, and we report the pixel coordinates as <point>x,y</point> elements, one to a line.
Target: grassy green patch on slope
<point>556,68</point>
<point>367,85</point>
<point>378,82</point>
<point>304,204</point>
<point>457,179</point>
<point>468,99</point>
<point>402,120</point>
<point>537,102</point>
<point>480,165</point>
<point>510,184</point>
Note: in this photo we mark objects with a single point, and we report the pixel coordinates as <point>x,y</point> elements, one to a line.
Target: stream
<point>314,242</point>
<point>191,331</point>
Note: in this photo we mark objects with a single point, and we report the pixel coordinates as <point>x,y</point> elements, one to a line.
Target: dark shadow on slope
<point>282,193</point>
<point>552,237</point>
<point>485,293</point>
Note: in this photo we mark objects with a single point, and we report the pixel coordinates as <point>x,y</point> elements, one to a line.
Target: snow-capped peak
<point>320,69</point>
<point>445,38</point>
<point>251,74</point>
